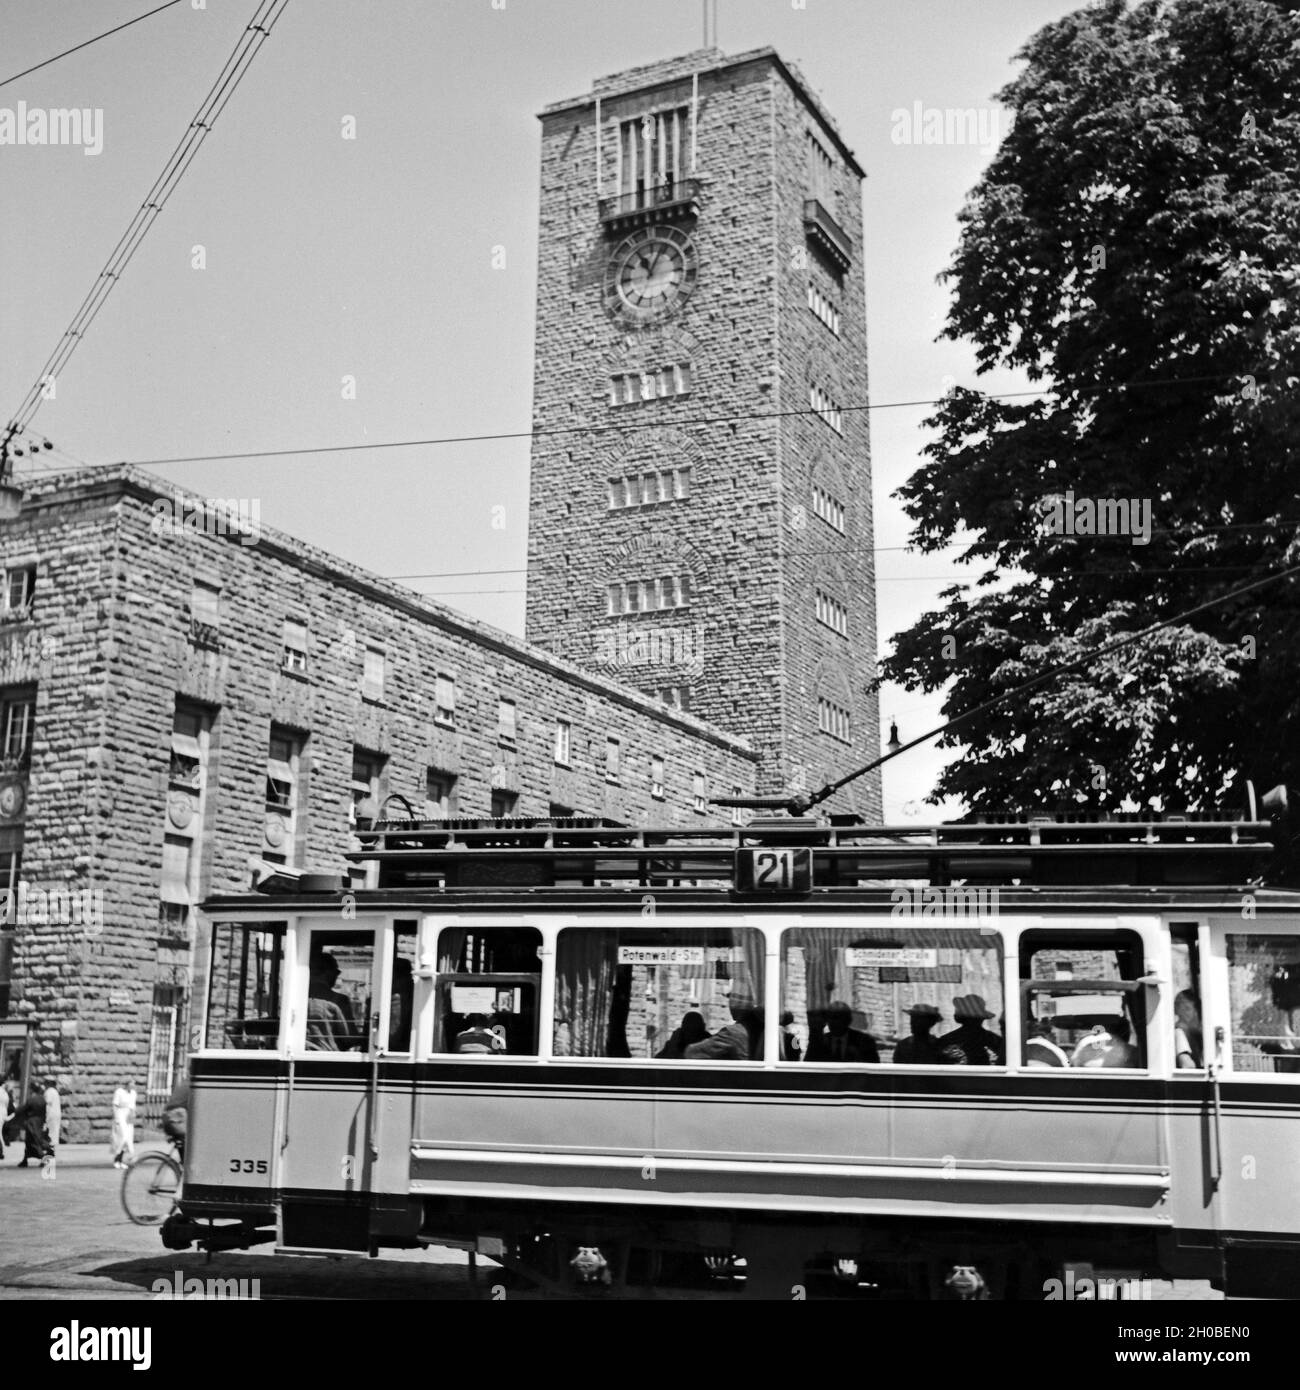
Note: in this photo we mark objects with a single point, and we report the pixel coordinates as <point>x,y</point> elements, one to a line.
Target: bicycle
<point>151,1186</point>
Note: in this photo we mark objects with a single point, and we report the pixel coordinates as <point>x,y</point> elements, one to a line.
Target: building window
<point>506,721</point>
<point>367,782</point>
<point>824,308</point>
<point>657,778</point>
<point>738,812</point>
<point>650,153</point>
<point>444,701</point>
<point>613,755</point>
<point>821,173</point>
<point>676,696</point>
<point>699,794</point>
<point>283,779</point>
<point>17,725</point>
<point>627,388</point>
<point>825,407</point>
<point>832,613</point>
<point>439,795</point>
<point>190,727</point>
<point>178,866</point>
<point>372,675</point>
<point>649,489</point>
<point>833,719</point>
<point>563,741</point>
<point>205,615</point>
<point>503,804</point>
<point>829,508</point>
<point>19,589</point>
<point>649,595</point>
<point>293,654</point>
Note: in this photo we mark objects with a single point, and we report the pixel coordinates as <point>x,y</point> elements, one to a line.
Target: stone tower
<point>700,512</point>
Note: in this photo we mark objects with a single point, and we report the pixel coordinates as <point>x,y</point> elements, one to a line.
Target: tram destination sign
<point>911,956</point>
<point>661,955</point>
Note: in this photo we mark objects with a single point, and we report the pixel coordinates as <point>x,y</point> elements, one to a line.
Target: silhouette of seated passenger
<point>977,1045</point>
<point>735,1041</point>
<point>837,1041</point>
<point>478,1040</point>
<point>921,1049</point>
<point>693,1029</point>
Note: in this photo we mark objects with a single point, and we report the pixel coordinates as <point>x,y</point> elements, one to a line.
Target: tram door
<point>329,1103</point>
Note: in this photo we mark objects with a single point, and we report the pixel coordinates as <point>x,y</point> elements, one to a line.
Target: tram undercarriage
<point>571,1251</point>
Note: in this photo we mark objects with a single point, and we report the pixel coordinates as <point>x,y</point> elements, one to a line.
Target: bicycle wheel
<point>150,1187</point>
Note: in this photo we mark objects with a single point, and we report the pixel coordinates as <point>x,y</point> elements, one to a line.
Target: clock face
<point>650,276</point>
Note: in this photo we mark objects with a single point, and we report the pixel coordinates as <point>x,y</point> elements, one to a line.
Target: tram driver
<point>329,1028</point>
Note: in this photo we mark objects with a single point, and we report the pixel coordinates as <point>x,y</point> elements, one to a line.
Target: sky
<point>375,257</point>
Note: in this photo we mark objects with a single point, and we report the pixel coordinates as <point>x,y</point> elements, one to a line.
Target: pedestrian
<point>122,1139</point>
<point>10,1125</point>
<point>53,1112</point>
<point>36,1142</point>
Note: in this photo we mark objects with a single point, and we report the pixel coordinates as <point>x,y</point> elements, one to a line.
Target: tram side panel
<point>857,1142</point>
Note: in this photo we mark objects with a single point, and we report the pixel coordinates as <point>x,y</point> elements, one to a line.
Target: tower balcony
<point>674,201</point>
<point>826,233</point>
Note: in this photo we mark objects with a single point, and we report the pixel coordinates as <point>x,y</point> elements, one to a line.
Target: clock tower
<point>700,515</point>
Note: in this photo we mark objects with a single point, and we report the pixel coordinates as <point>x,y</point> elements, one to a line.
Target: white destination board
<point>661,955</point>
<point>889,955</point>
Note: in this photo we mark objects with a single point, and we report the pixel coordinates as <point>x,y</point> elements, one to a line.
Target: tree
<point>1133,247</point>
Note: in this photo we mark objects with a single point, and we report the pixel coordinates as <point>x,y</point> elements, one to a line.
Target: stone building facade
<point>182,704</point>
<point>701,485</point>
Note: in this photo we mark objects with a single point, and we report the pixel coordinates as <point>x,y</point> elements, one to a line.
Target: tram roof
<point>1116,860</point>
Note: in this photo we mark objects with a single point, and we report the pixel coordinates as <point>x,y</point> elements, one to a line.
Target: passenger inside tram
<point>922,1048</point>
<point>1107,1045</point>
<point>836,1040</point>
<point>479,1038</point>
<point>693,1029</point>
<point>1189,1048</point>
<point>739,1040</point>
<point>977,1045</point>
<point>328,1029</point>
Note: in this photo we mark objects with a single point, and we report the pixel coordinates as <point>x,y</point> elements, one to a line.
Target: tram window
<point>917,996</point>
<point>1185,1016</point>
<point>340,967</point>
<point>401,993</point>
<point>689,994</point>
<point>1264,998</point>
<point>488,983</point>
<point>244,986</point>
<point>1082,1005</point>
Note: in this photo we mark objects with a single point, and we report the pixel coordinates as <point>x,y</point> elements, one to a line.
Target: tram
<point>975,1060</point>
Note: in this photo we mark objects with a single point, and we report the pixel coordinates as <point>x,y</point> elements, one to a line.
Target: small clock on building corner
<point>651,274</point>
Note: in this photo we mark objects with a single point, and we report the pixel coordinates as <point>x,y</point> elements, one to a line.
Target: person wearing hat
<point>977,1045</point>
<point>921,1049</point>
<point>837,1041</point>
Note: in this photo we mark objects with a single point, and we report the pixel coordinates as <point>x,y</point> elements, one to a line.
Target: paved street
<point>69,1238</point>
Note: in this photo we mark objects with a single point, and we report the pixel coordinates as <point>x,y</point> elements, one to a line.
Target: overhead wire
<point>108,33</point>
<point>631,426</point>
<point>210,108</point>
